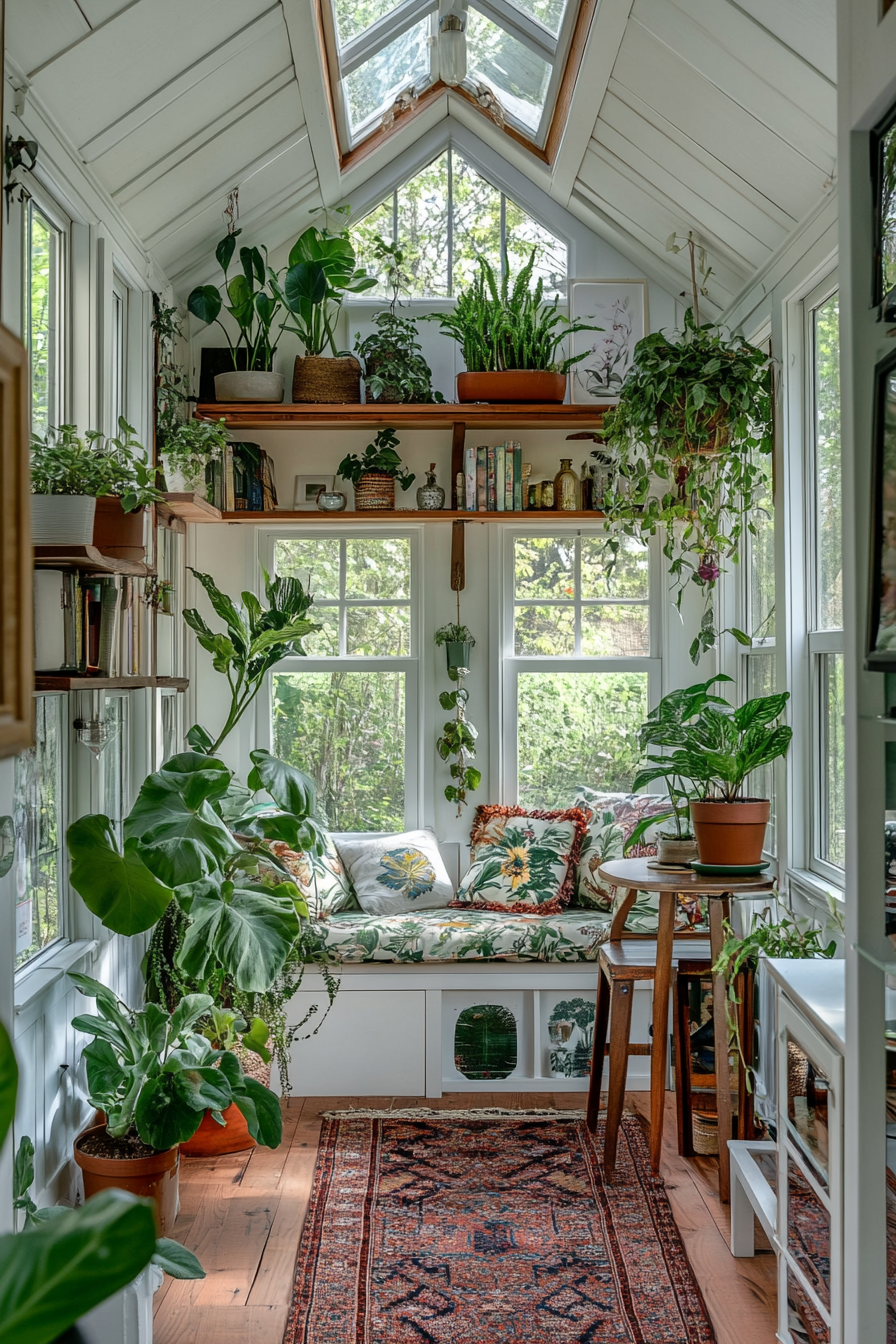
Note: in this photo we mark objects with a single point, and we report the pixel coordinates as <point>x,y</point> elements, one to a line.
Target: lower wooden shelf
<point>87,558</point>
<point>404,516</point>
<point>62,681</point>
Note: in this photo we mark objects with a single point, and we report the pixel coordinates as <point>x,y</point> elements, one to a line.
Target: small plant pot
<point>249,385</point>
<point>321,378</point>
<point>512,385</point>
<point>375,490</point>
<point>458,655</point>
<point>154,1177</point>
<point>211,1138</point>
<point>62,520</point>
<point>731,834</point>
<point>671,849</point>
<point>117,533</point>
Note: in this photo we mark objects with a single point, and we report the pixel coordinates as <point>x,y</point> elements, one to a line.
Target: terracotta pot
<point>375,490</point>
<point>211,1138</point>
<point>118,533</point>
<point>154,1177</point>
<point>516,385</point>
<point>731,834</point>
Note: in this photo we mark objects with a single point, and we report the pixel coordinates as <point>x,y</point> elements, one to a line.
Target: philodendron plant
<point>253,303</point>
<point>322,270</point>
<point>458,737</point>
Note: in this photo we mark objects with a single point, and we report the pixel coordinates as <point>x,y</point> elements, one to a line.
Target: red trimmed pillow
<point>524,862</point>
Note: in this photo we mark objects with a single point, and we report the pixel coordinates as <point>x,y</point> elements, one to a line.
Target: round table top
<point>635,873</point>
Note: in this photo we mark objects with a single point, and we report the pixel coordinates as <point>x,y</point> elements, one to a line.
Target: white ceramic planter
<point>249,385</point>
<point>62,520</point>
<point>125,1318</point>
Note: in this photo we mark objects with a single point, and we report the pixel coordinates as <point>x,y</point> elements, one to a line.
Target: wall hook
<point>15,153</point>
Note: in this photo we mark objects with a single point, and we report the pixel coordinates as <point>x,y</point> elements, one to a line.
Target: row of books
<point>242,480</point>
<point>97,624</point>
<point>493,479</point>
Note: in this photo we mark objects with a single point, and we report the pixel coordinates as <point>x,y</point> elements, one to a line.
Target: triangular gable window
<point>505,56</point>
<point>448,215</point>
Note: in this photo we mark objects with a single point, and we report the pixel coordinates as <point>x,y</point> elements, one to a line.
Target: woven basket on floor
<point>375,490</point>
<point>324,379</point>
<point>705,1133</point>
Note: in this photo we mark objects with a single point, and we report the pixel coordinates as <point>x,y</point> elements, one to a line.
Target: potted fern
<point>511,339</point>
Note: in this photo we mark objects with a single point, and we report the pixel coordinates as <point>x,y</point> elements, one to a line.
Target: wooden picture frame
<point>881,638</point>
<point>620,308</point>
<point>16,562</point>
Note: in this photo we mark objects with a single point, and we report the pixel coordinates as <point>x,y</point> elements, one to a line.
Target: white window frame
<point>118,352</point>
<point>507,665</point>
<point>63,897</point>
<point>410,665</point>
<point>58,385</point>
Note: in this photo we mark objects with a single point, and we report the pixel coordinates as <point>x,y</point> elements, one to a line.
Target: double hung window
<point>118,370</point>
<point>579,669</point>
<point>46,237</point>
<point>39,820</point>
<point>346,713</point>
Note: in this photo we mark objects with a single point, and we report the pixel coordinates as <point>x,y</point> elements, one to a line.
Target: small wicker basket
<point>705,1129</point>
<point>321,378</point>
<point>375,490</point>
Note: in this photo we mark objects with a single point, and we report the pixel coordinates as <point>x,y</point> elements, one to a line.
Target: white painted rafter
<point>309,62</point>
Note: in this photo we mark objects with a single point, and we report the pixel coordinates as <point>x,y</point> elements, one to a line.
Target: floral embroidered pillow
<point>613,818</point>
<point>321,878</point>
<point>395,873</point>
<point>522,861</point>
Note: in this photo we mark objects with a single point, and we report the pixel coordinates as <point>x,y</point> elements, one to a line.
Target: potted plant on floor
<point>322,270</point>
<point>374,474</point>
<point>153,1076</point>
<point>716,750</point>
<point>252,300</point>
<point>692,435</point>
<point>90,490</point>
<point>511,339</point>
<point>392,357</point>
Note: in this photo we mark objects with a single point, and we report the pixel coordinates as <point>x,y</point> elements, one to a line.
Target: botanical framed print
<point>307,490</point>
<point>883,174</point>
<point>881,656</point>
<point>619,307</point>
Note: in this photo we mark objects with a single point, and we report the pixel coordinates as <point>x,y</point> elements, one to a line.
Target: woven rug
<point>488,1227</point>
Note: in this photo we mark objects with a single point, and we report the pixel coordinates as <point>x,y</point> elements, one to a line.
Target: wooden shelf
<point>87,558</point>
<point>405,516</point>
<point>61,681</point>
<point>475,415</point>
<point>192,508</point>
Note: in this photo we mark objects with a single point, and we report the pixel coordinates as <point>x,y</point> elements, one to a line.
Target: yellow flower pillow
<point>523,861</point>
<point>395,873</point>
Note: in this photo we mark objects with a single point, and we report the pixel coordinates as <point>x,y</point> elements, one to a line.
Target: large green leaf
<point>225,249</point>
<point>305,283</point>
<point>266,1127</point>
<point>290,788</point>
<point>53,1274</point>
<point>181,837</point>
<point>164,1116</point>
<point>226,609</point>
<point>250,930</point>
<point>205,303</point>
<point>9,1081</point>
<point>176,1260</point>
<point>115,885</point>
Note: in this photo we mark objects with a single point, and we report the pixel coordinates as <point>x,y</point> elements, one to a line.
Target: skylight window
<point>383,56</point>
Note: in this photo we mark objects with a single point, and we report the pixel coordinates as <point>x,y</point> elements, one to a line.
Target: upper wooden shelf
<point>402,516</point>
<point>191,507</point>
<point>64,681</point>
<point>475,415</point>
<point>87,558</point>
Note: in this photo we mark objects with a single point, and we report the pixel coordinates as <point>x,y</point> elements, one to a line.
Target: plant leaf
<point>116,886</point>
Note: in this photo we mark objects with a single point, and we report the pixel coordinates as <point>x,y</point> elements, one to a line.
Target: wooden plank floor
<point>243,1214</point>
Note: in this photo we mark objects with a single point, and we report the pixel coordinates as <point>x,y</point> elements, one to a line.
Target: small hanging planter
<point>459,654</point>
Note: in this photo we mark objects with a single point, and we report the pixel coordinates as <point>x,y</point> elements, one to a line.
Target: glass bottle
<point>566,487</point>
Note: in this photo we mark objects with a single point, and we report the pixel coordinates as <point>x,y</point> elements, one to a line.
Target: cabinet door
<point>810,1178</point>
<point>372,1044</point>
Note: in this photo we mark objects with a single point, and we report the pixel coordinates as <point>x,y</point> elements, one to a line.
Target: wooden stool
<point>621,965</point>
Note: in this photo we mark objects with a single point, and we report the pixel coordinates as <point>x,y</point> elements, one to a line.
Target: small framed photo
<point>881,656</point>
<point>307,490</point>
<point>619,308</point>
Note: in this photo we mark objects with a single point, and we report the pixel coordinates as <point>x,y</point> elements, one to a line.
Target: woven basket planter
<point>375,490</point>
<point>320,378</point>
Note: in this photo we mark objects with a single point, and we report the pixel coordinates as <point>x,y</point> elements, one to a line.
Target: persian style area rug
<point>488,1227</point>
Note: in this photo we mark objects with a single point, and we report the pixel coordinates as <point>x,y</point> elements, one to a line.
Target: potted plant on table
<point>392,357</point>
<point>511,339</point>
<point>153,1076</point>
<point>374,474</point>
<point>322,270</point>
<point>692,436</point>
<point>90,490</point>
<point>253,301</point>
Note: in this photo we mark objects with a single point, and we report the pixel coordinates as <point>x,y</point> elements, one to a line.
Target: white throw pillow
<point>392,873</point>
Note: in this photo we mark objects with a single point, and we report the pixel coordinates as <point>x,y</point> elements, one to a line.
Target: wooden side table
<point>634,875</point>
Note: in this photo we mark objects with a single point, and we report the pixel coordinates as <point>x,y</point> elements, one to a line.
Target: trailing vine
<point>458,737</point>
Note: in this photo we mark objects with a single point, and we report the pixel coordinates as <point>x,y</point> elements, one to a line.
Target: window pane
<point>379,632</point>
<point>832,841</point>
<point>513,71</point>
<point>828,507</point>
<point>377,83</point>
<point>577,728</point>
<point>314,560</point>
<point>549,631</point>
<point>762,680</point>
<point>43,281</point>
<point>356,16</point>
<point>544,567</point>
<point>423,211</point>
<point>346,730</point>
<point>551,253</point>
<point>615,632</point>
<point>378,224</point>
<point>168,709</point>
<point>378,568</point>
<point>324,643</point>
<point>628,577</point>
<point>113,761</point>
<point>548,12</point>
<point>476,221</point>
<point>762,565</point>
<point>38,824</point>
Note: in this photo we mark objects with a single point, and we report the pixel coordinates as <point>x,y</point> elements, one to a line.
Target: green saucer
<point>723,870</point>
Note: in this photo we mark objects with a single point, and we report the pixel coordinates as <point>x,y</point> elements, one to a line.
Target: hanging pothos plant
<point>458,738</point>
<point>692,435</point>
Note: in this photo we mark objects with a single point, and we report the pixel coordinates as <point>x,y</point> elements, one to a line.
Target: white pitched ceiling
<point>712,115</point>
